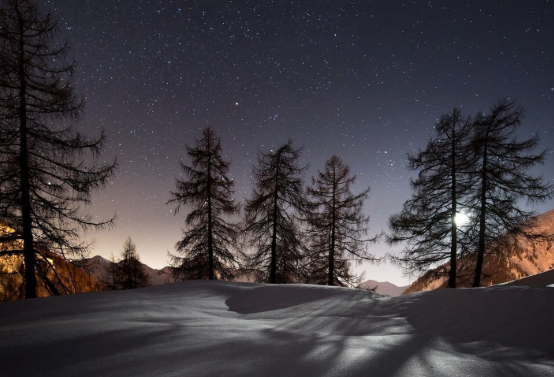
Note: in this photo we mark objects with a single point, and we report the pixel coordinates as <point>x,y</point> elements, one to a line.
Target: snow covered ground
<point>205,328</point>
<point>538,280</point>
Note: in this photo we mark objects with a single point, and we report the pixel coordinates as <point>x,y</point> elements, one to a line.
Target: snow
<point>544,279</point>
<point>536,257</point>
<point>384,287</point>
<point>202,328</point>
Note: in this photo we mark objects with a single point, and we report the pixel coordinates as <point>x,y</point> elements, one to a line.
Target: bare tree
<point>475,166</point>
<point>270,224</point>
<point>427,224</point>
<point>205,252</point>
<point>502,181</point>
<point>111,279</point>
<point>336,226</point>
<point>44,177</point>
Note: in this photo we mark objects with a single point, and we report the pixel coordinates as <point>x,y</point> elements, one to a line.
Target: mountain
<point>517,261</point>
<point>214,328</point>
<point>97,267</point>
<point>58,277</point>
<point>383,287</point>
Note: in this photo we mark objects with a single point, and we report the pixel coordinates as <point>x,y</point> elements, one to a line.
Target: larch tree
<point>502,181</point>
<point>206,251</point>
<point>130,273</point>
<point>271,224</point>
<point>111,279</point>
<point>428,224</point>
<point>336,226</point>
<point>48,170</point>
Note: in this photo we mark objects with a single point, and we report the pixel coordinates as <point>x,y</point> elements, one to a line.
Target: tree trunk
<point>273,267</point>
<point>210,225</point>
<point>28,244</point>
<point>482,221</point>
<point>331,280</point>
<point>129,276</point>
<point>454,230</point>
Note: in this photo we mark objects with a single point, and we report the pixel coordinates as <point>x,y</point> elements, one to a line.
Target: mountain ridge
<point>521,260</point>
<point>383,287</point>
<point>97,267</point>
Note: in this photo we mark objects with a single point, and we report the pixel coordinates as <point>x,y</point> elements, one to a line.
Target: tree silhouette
<point>111,279</point>
<point>270,224</point>
<point>44,177</point>
<point>130,271</point>
<point>336,226</point>
<point>501,180</point>
<point>205,251</point>
<point>477,166</point>
<point>427,222</point>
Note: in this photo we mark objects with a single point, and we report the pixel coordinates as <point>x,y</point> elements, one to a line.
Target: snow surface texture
<point>202,328</point>
<point>543,279</point>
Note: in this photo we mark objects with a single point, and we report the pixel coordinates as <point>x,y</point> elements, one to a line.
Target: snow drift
<point>202,328</point>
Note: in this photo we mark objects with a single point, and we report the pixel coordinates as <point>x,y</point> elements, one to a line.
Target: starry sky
<point>365,80</point>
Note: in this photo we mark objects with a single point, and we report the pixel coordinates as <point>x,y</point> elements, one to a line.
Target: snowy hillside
<point>383,287</point>
<point>526,259</point>
<point>201,328</point>
<point>539,280</point>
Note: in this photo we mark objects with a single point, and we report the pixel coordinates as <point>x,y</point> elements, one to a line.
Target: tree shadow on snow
<point>445,332</point>
<point>231,330</point>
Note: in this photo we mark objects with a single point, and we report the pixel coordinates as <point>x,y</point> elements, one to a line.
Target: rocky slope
<point>60,277</point>
<point>518,261</point>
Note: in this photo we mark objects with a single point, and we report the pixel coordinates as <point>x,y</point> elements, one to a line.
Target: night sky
<point>365,80</point>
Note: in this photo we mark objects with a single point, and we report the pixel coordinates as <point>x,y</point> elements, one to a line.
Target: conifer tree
<point>205,252</point>
<point>502,181</point>
<point>427,223</point>
<point>130,271</point>
<point>271,226</point>
<point>475,166</point>
<point>111,278</point>
<point>336,226</point>
<point>44,178</point>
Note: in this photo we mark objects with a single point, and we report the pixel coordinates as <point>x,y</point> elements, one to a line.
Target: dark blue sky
<point>365,80</point>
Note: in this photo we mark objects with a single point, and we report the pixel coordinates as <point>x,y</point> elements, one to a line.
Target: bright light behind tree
<point>461,219</point>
